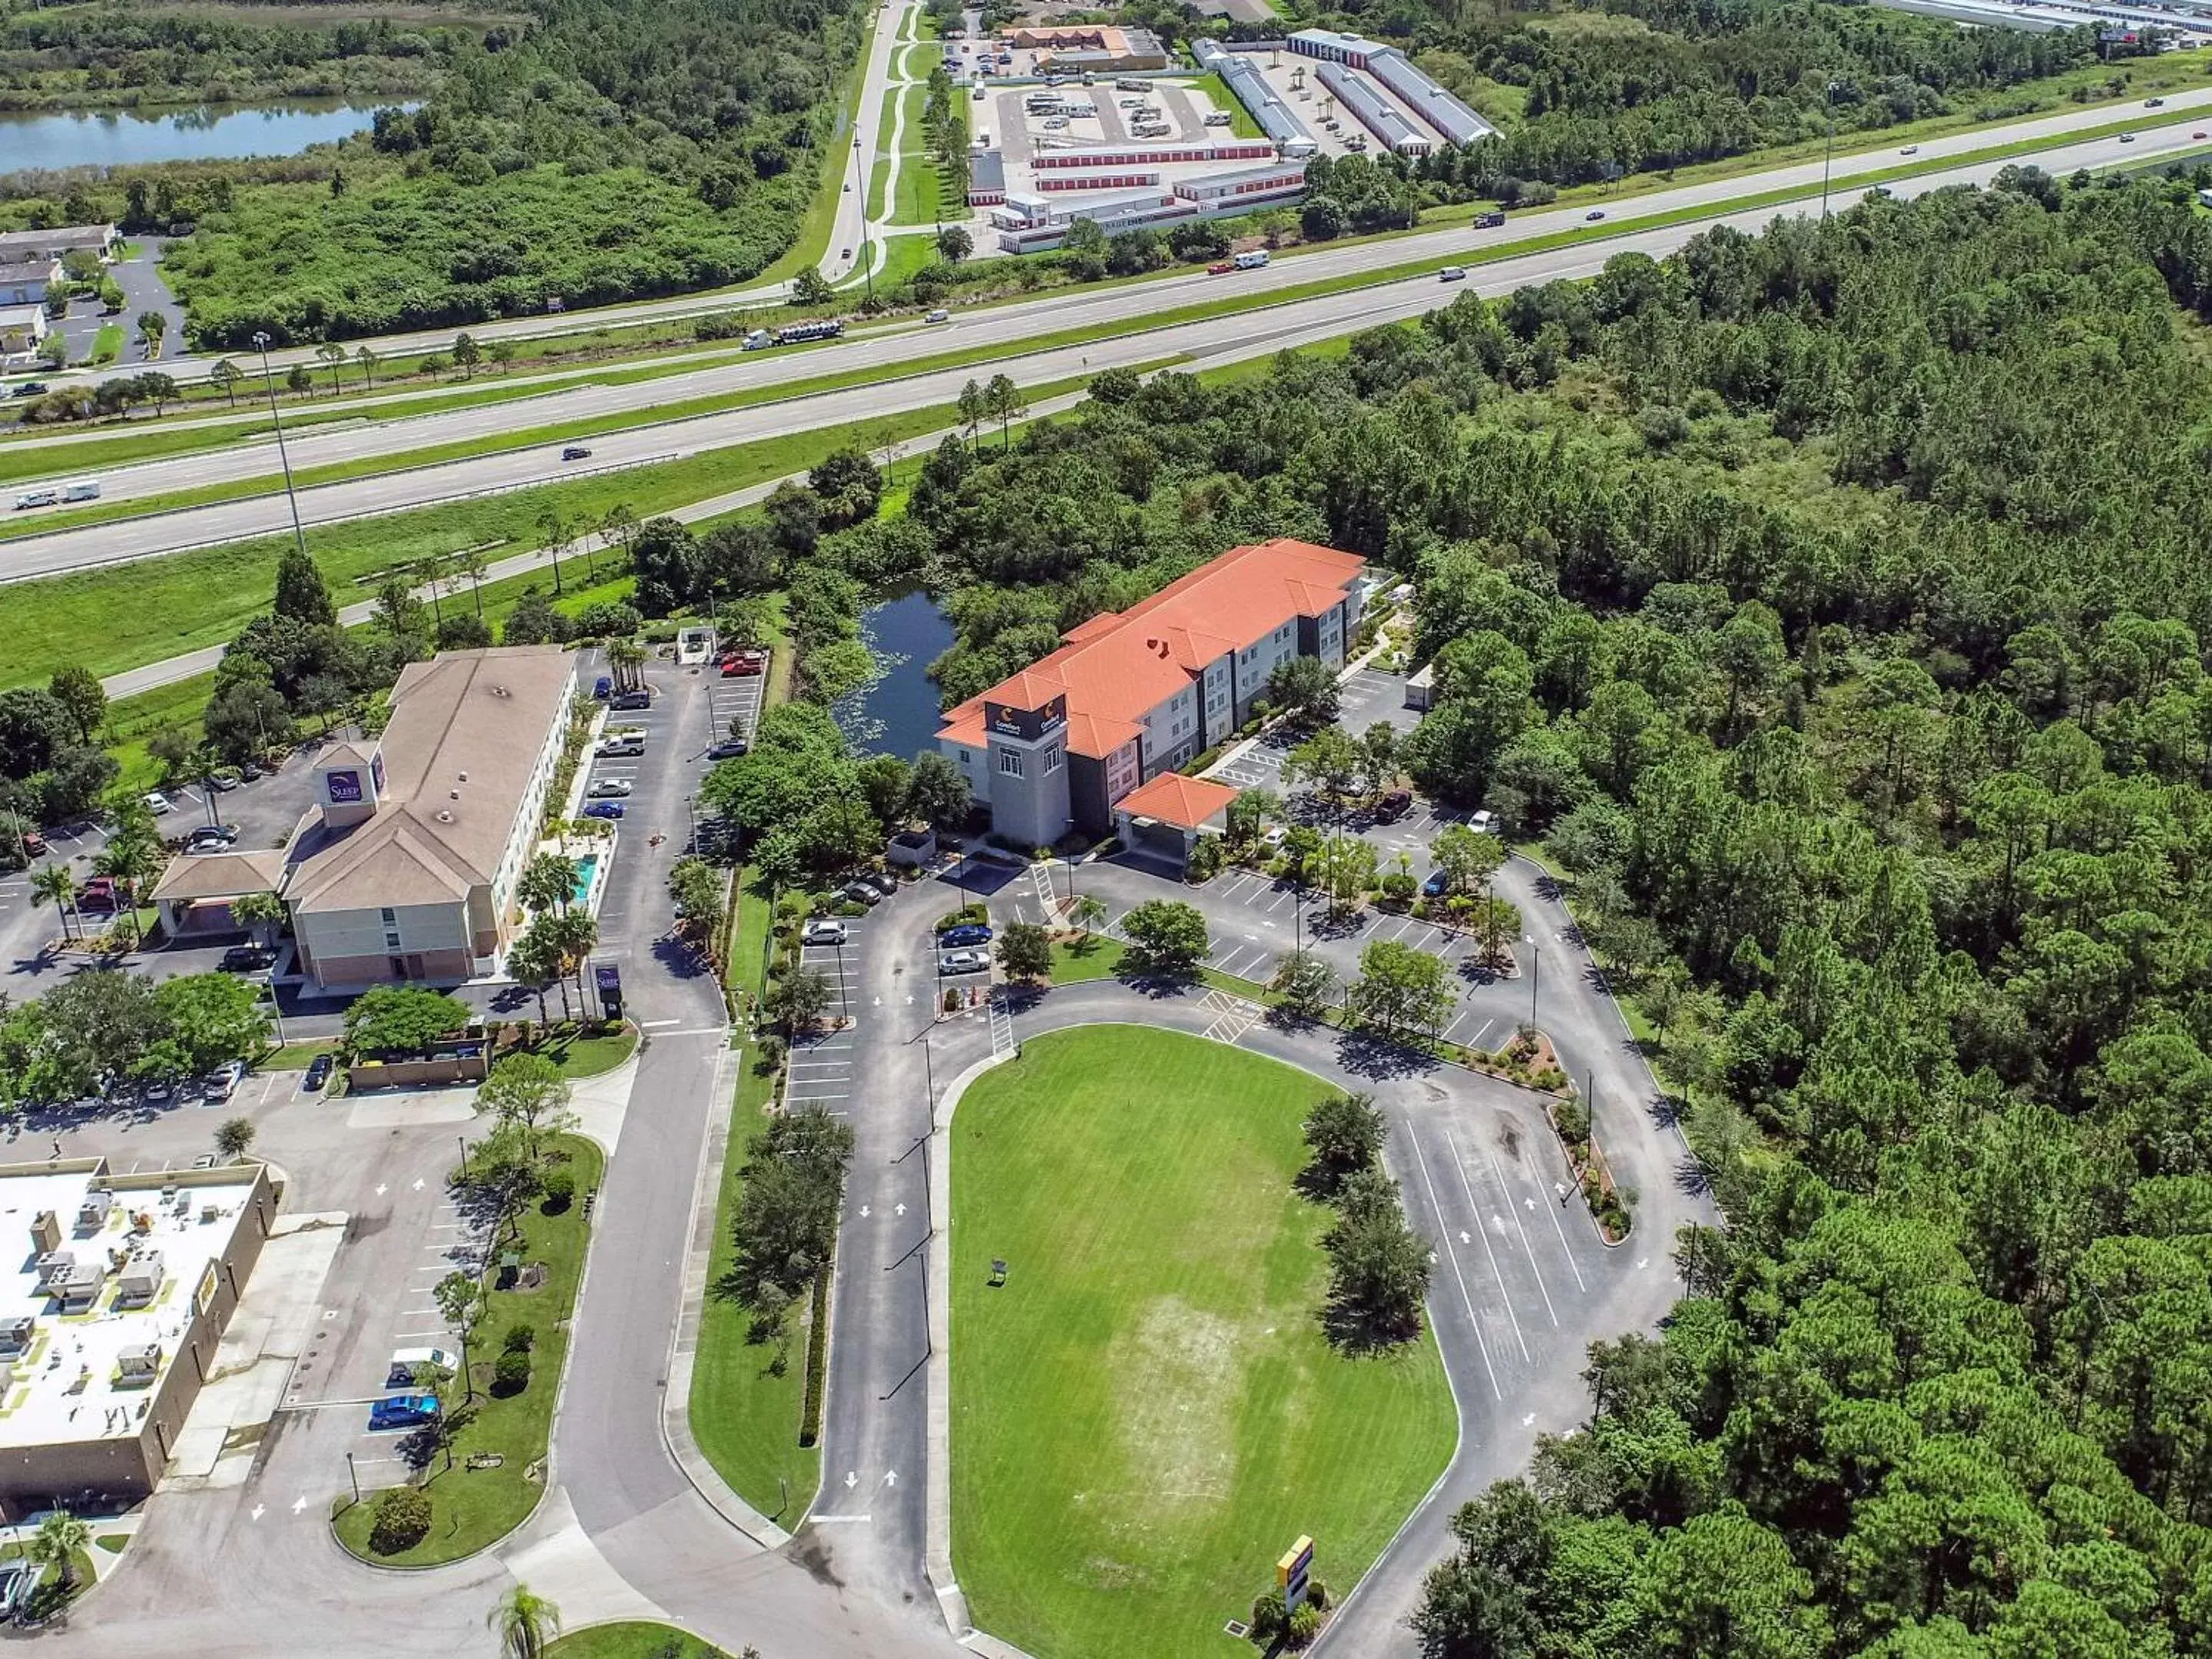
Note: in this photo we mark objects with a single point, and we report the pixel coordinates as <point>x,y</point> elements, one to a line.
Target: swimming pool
<point>586,867</point>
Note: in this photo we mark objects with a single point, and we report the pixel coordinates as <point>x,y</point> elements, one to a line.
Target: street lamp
<point>1828,98</point>
<point>299,538</point>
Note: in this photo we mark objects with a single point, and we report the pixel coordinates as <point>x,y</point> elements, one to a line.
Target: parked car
<point>318,1073</point>
<point>1485,823</point>
<point>244,960</point>
<point>860,893</point>
<point>824,930</point>
<point>603,809</point>
<point>640,698</point>
<point>728,749</point>
<point>963,962</point>
<point>221,783</point>
<point>98,894</point>
<point>968,932</point>
<point>1434,885</point>
<point>34,844</point>
<point>1394,805</point>
<point>883,881</point>
<point>576,452</point>
<point>399,1370</point>
<point>222,1082</point>
<point>252,771</point>
<point>402,1411</point>
<point>159,1092</point>
<point>157,803</point>
<point>211,837</point>
<point>627,744</point>
<point>748,660</point>
<point>603,687</point>
<point>608,789</point>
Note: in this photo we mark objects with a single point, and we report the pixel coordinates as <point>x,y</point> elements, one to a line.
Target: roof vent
<point>452,794</point>
<point>501,691</point>
<point>443,816</point>
<point>461,776</point>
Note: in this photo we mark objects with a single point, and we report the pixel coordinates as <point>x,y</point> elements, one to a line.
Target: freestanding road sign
<point>1292,1571</point>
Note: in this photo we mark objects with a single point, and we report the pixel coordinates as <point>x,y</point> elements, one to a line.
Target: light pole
<point>1828,98</point>
<point>1535,976</point>
<point>276,1008</point>
<point>268,386</point>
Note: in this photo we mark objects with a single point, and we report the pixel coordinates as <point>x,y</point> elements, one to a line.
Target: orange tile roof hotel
<point>1116,680</point>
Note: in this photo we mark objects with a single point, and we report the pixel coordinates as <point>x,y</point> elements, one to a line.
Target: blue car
<point>968,932</point>
<point>603,809</point>
<point>402,1411</point>
<point>1434,885</point>
<point>603,687</point>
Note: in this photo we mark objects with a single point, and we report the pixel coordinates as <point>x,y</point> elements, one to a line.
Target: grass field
<point>632,1640</point>
<point>472,1508</point>
<point>1146,1414</point>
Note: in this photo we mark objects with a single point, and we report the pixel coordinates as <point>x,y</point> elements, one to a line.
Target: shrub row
<point>817,1362</point>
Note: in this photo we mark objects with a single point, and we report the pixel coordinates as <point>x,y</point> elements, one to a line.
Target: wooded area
<point>1833,601</point>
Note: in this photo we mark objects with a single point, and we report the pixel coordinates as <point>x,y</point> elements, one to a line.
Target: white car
<point>157,803</point>
<point>608,788</point>
<point>222,1082</point>
<point>963,962</point>
<point>939,317</point>
<point>824,930</point>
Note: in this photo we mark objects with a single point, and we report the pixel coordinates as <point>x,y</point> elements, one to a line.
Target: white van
<point>400,1372</point>
<point>81,489</point>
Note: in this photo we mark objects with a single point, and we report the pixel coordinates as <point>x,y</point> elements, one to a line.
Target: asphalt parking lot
<point>735,704</point>
<point>821,1068</point>
<point>1368,698</point>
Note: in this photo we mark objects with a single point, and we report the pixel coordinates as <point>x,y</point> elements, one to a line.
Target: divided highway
<point>1263,328</point>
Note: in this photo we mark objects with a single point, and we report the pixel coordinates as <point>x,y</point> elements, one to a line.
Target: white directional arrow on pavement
<point>864,1212</point>
<point>259,1510</point>
<point>909,1002</point>
<point>1527,1203</point>
<point>1465,1236</point>
<point>381,1189</point>
<point>851,1480</point>
<point>1527,1420</point>
<point>298,1502</point>
<point>891,1477</point>
<point>899,1208</point>
<point>418,1183</point>
<point>875,1002</point>
<point>1642,1261</point>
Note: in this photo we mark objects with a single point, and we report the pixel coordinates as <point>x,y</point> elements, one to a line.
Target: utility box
<point>138,1367</point>
<point>92,1214</point>
<point>45,1232</point>
<point>139,1281</point>
<point>55,1265</point>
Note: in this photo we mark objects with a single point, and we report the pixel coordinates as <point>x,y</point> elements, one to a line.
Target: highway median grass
<point>119,616</point>
<point>1146,1412</point>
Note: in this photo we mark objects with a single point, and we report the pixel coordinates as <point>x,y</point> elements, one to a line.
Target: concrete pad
<point>267,1334</point>
<point>601,1101</point>
<point>556,1556</point>
<point>411,1110</point>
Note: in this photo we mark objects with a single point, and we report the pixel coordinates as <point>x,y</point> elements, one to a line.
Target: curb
<point>937,1547</point>
<point>684,1342</point>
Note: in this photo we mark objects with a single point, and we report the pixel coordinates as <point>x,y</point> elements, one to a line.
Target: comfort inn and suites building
<point>405,867</point>
<point>1132,695</point>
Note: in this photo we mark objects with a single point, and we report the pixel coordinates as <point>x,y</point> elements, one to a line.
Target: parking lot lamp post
<point>1828,98</point>
<point>268,386</point>
<point>354,1476</point>
<point>1535,976</point>
<point>276,1008</point>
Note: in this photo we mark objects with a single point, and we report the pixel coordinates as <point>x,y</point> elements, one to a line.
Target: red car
<point>98,894</point>
<point>1221,267</point>
<point>34,844</point>
<point>750,661</point>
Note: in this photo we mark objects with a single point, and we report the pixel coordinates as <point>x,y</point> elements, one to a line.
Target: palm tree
<point>548,882</point>
<point>130,855</point>
<point>332,356</point>
<point>53,881</point>
<point>472,563</point>
<point>262,912</point>
<point>535,963</point>
<point>524,1622</point>
<point>626,658</point>
<point>574,933</point>
<point>369,360</point>
<point>60,1539</point>
<point>1089,911</point>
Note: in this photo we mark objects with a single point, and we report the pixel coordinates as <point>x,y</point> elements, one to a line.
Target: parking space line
<point>1504,1294</point>
<point>1421,1158</point>
<point>1506,1192</point>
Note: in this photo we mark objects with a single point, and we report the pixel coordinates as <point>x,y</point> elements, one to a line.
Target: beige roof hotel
<point>405,867</point>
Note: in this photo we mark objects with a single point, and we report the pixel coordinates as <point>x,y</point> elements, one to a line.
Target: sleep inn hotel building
<point>404,868</point>
<point>1132,695</point>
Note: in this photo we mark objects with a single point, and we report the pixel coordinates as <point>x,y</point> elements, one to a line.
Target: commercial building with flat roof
<point>986,178</point>
<point>1132,695</point>
<point>1090,48</point>
<point>405,867</point>
<point>51,245</point>
<point>110,1319</point>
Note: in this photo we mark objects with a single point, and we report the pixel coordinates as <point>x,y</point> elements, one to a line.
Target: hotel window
<point>1052,760</point>
<point>1010,762</point>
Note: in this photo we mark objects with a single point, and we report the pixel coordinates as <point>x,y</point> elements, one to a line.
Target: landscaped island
<point>1147,1412</point>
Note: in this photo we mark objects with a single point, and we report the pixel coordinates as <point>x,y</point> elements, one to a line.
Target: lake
<point>898,714</point>
<point>212,132</point>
